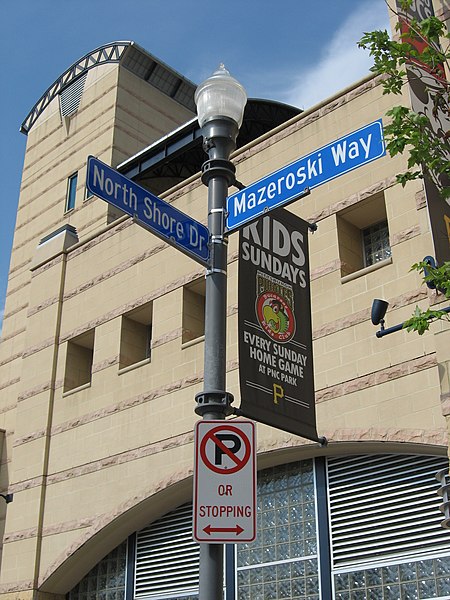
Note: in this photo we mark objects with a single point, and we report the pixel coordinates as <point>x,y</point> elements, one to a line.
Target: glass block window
<point>376,243</point>
<point>106,581</point>
<point>282,562</point>
<point>420,579</point>
<point>71,191</point>
<point>363,236</point>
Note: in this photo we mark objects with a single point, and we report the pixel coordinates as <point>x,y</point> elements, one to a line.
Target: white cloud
<point>342,62</point>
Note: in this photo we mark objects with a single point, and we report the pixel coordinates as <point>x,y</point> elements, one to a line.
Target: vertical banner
<point>422,81</point>
<point>275,338</point>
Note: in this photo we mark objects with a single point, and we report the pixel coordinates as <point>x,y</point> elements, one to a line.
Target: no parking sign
<point>224,482</point>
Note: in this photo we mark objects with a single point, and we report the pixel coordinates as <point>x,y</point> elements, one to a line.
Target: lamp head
<point>379,308</point>
<point>220,96</point>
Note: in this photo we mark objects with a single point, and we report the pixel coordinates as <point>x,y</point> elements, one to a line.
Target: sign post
<point>225,462</point>
<point>224,482</point>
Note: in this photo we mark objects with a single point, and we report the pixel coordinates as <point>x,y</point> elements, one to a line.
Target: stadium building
<point>102,355</point>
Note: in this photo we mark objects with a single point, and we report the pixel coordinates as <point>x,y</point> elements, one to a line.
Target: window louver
<point>384,506</point>
<point>70,97</point>
<point>167,559</point>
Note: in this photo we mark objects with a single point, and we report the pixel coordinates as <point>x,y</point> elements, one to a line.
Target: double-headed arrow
<point>209,530</point>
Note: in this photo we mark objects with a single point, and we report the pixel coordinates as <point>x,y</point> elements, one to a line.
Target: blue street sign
<point>156,215</point>
<point>345,154</point>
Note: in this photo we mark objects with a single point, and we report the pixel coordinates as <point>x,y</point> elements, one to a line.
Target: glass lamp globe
<point>221,95</point>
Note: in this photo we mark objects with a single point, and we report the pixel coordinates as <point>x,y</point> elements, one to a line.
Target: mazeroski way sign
<point>292,181</point>
<point>224,482</point>
<point>161,218</point>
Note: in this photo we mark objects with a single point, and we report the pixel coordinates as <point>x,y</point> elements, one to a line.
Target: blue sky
<point>293,51</point>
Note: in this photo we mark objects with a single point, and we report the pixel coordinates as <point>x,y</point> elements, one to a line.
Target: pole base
<point>215,401</point>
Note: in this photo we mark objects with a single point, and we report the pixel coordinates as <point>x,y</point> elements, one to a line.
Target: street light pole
<point>220,105</point>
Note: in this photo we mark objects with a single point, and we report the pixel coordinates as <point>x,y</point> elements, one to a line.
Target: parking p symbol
<point>224,448</point>
<point>234,445</point>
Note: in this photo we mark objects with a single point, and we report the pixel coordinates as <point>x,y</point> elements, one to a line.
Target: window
<point>386,537</point>
<point>193,311</point>
<point>79,360</point>
<point>167,559</point>
<point>71,191</point>
<point>87,194</point>
<point>363,527</point>
<point>106,580</point>
<point>363,234</point>
<point>376,243</point>
<point>136,336</point>
<point>283,560</point>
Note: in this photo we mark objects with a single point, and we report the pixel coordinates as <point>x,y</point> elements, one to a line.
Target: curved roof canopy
<point>180,154</point>
<point>132,57</point>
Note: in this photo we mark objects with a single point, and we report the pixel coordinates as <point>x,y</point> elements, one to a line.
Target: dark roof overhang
<point>180,154</point>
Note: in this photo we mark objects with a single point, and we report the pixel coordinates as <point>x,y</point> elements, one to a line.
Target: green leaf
<point>407,132</point>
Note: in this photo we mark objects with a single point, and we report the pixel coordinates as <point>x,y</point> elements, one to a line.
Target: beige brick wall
<point>79,461</point>
<point>32,367</point>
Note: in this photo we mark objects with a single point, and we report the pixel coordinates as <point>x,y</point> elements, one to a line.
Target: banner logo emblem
<point>274,308</point>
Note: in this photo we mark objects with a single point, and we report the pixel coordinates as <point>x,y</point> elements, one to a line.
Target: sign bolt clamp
<point>218,167</point>
<point>214,401</point>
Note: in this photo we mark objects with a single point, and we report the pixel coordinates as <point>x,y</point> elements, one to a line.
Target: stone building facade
<point>102,355</point>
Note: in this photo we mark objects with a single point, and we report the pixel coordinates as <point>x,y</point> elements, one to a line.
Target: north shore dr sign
<point>290,182</point>
<point>161,218</point>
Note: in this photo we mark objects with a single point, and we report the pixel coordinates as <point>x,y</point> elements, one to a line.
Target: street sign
<point>224,482</point>
<point>161,218</point>
<point>294,180</point>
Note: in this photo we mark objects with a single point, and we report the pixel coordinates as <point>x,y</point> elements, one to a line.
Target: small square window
<point>194,310</point>
<point>363,234</point>
<point>71,191</point>
<point>79,360</point>
<point>136,336</point>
